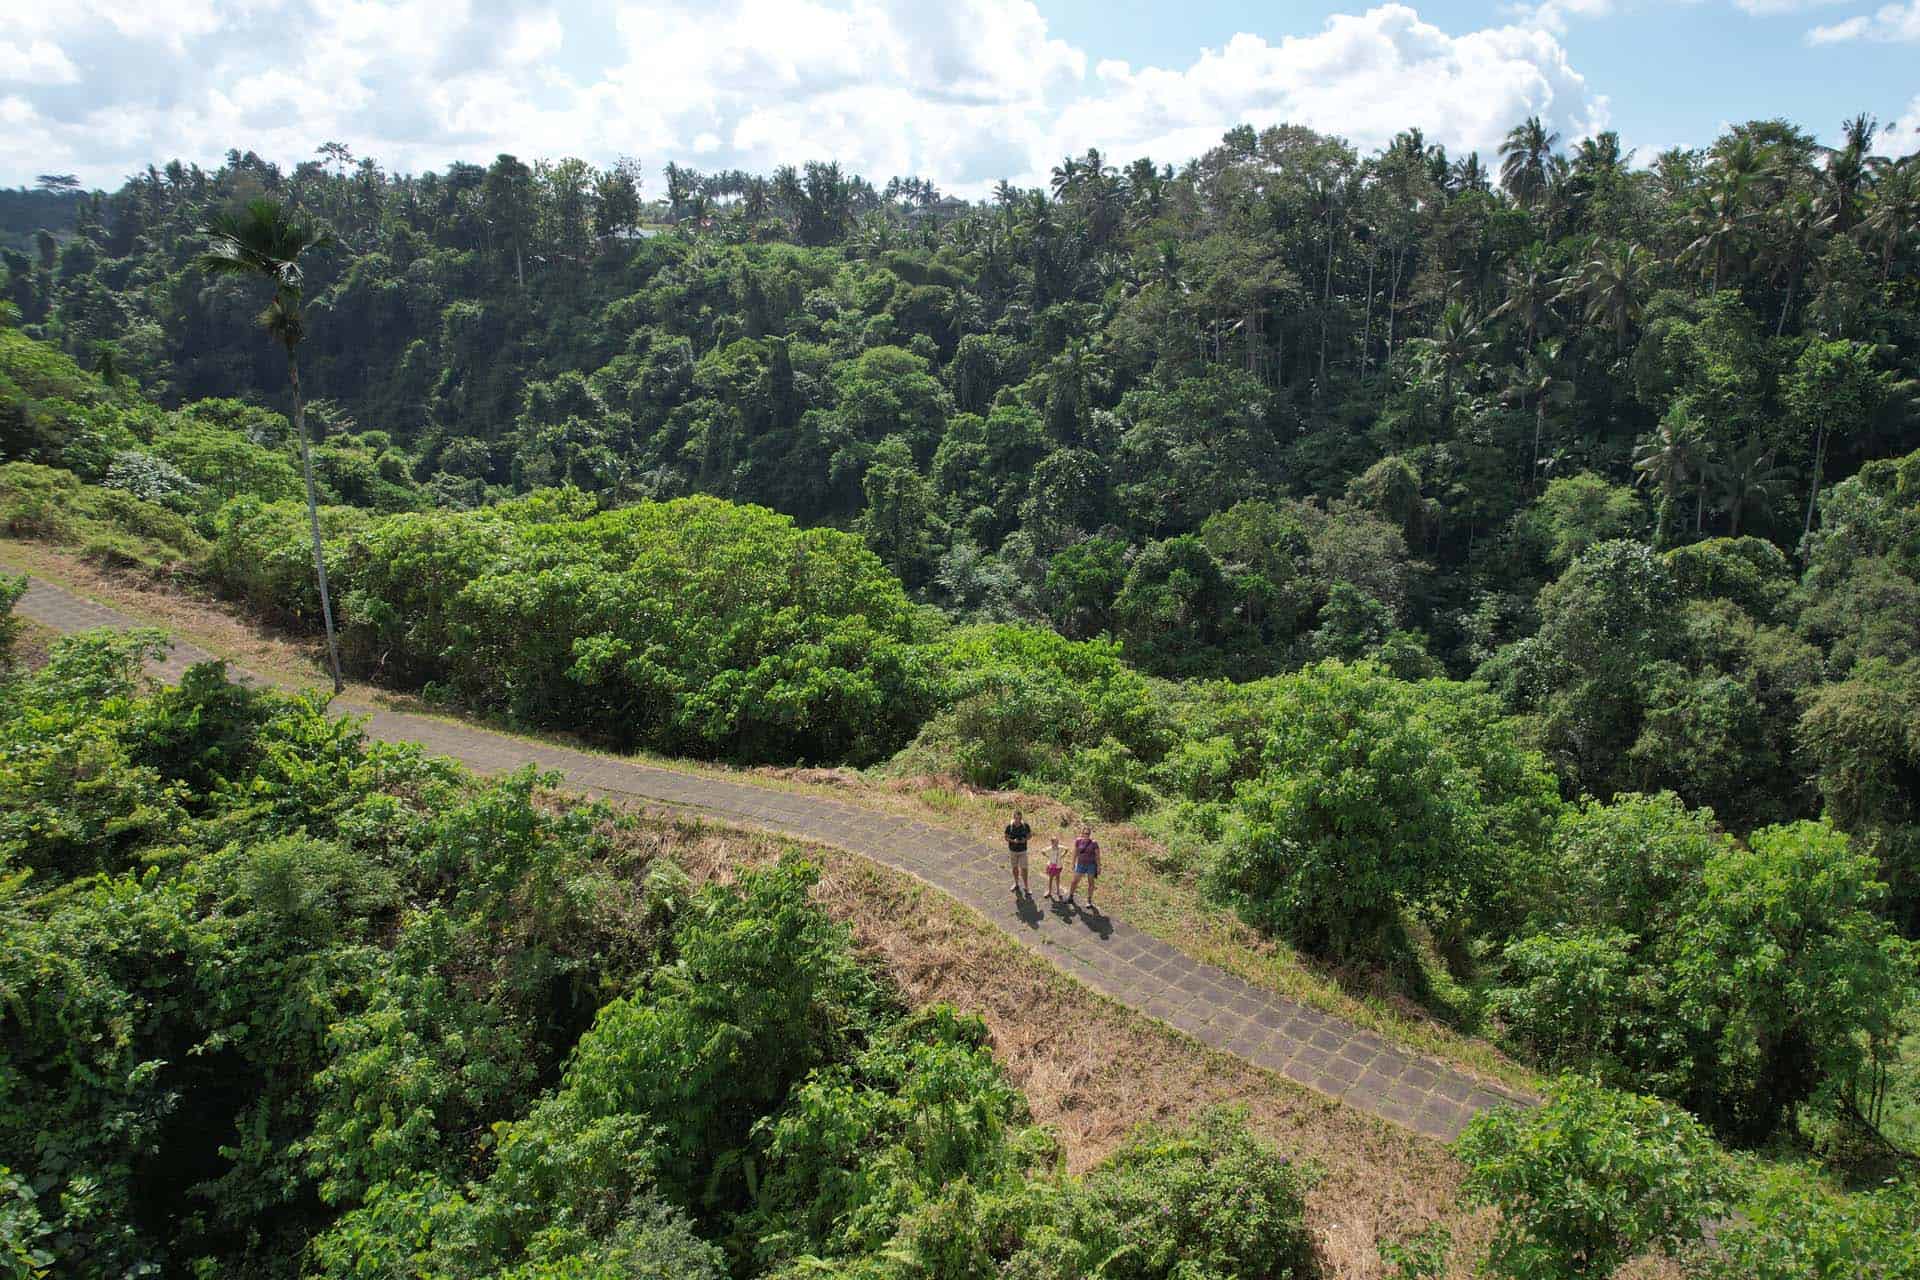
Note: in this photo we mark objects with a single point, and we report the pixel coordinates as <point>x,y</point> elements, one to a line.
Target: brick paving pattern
<point>1311,1048</point>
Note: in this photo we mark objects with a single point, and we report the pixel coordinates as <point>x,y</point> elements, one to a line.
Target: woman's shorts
<point>1086,868</point>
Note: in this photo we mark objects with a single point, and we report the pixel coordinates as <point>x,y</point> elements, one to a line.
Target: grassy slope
<point>1169,906</point>
<point>1093,1069</point>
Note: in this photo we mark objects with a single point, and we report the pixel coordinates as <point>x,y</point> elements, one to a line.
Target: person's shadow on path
<point>1027,910</point>
<point>1096,921</point>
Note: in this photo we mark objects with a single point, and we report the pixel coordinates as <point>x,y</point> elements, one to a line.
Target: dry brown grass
<point>1093,1070</point>
<point>31,644</point>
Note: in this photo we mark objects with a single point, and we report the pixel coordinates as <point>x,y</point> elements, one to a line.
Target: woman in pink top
<point>1086,862</point>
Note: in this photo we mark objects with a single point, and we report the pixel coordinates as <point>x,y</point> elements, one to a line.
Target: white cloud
<point>1900,136</point>
<point>964,92</point>
<point>40,62</point>
<point>1365,77</point>
<point>1892,23</point>
<point>1768,8</point>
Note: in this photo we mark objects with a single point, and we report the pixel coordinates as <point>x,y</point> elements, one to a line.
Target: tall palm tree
<point>1455,345</point>
<point>1794,228</point>
<point>1893,218</point>
<point>1614,285</point>
<point>265,241</point>
<point>1526,161</point>
<point>1846,171</point>
<point>1719,226</point>
<point>1669,456</point>
<point>1750,480</point>
<point>1538,382</point>
<point>1531,288</point>
<point>1468,175</point>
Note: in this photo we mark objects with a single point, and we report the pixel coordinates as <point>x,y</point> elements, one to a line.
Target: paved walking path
<point>1314,1049</point>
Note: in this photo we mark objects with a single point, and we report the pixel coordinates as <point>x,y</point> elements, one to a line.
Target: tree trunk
<point>1819,457</point>
<point>1326,304</point>
<point>1539,421</point>
<point>313,520</point>
<point>1785,307</point>
<point>519,268</point>
<point>1393,304</point>
<point>1366,325</point>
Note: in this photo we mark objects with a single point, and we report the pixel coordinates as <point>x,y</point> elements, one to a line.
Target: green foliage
<point>695,625</point>
<point>262,555</point>
<point>1663,954</point>
<point>1590,1179</point>
<point>1375,795</point>
<point>1862,739</point>
<point>1576,512</point>
<point>111,525</point>
<point>764,988</point>
<point>1026,704</point>
<point>1208,1203</point>
<point>1793,1226</point>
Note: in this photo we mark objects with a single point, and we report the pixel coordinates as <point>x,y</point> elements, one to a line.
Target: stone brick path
<point>1306,1046</point>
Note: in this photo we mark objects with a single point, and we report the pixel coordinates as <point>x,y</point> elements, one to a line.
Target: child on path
<point>1017,833</point>
<point>1054,854</point>
<point>1086,862</point>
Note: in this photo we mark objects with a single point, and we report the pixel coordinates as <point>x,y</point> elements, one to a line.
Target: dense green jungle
<point>1497,577</point>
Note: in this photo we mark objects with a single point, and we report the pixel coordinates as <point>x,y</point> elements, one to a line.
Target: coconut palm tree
<point>1719,225</point>
<point>1846,172</point>
<point>1893,218</point>
<point>265,241</point>
<point>1794,228</point>
<point>1669,456</point>
<point>1750,480</point>
<point>1613,284</point>
<point>1538,382</point>
<point>1455,346</point>
<point>1526,163</point>
<point>1531,288</point>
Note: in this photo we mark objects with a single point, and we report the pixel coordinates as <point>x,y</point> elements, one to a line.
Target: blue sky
<point>962,91</point>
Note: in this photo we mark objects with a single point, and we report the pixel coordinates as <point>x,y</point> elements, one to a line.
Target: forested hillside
<point>1497,582</point>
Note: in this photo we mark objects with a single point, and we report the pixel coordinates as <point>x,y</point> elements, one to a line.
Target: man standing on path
<point>1017,833</point>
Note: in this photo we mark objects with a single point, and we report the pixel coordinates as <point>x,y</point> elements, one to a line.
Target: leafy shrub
<point>1202,1203</point>
<point>55,506</point>
<point>1024,703</point>
<point>262,555</point>
<point>1108,779</point>
<point>1796,1227</point>
<point>1377,795</point>
<point>691,626</point>
<point>150,479</point>
<point>1590,1179</point>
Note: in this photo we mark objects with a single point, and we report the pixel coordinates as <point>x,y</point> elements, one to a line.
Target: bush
<point>151,479</point>
<point>1796,1227</point>
<point>1590,1179</point>
<point>263,555</point>
<point>1108,779</point>
<point>695,626</point>
<point>1024,704</point>
<point>1205,1203</point>
<point>55,506</point>
<point>1377,795</point>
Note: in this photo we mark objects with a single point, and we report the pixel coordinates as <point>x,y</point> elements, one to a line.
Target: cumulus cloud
<point>1892,23</point>
<point>1900,136</point>
<point>37,62</point>
<point>964,92</point>
<point>1364,76</point>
